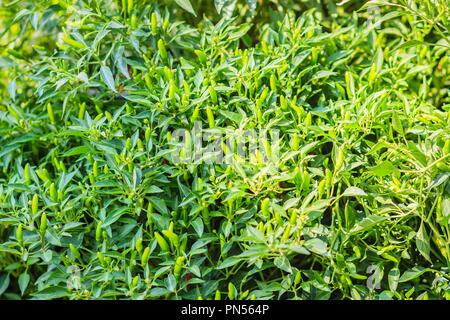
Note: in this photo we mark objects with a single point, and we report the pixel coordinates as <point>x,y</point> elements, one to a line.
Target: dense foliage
<point>93,205</point>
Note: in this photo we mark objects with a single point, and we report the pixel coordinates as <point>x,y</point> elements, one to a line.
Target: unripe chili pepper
<point>244,294</point>
<point>91,178</point>
<point>321,188</point>
<point>81,111</point>
<point>201,56</point>
<point>19,235</point>
<point>286,232</point>
<point>349,84</point>
<point>43,225</point>
<point>265,207</point>
<point>135,282</point>
<point>62,166</point>
<point>206,218</point>
<point>178,266</point>
<point>95,168</point>
<point>259,116</point>
<point>293,219</point>
<point>328,177</point>
<point>162,49</point>
<point>184,99</point>
<point>162,242</point>
<point>101,258</point>
<point>148,81</point>
<point>139,245</point>
<point>34,205</point>
<point>195,114</point>
<point>183,244</point>
<point>172,89</point>
<point>187,89</point>
<point>98,232</point>
<point>60,195</point>
<point>173,238</point>
<point>231,291</point>
<point>165,24</point>
<point>213,94</point>
<point>133,22</point>
<point>273,82</point>
<point>145,256</point>
<point>217,295</point>
<point>298,278</point>
<point>306,181</point>
<point>53,193</point>
<point>314,55</point>
<point>210,117</point>
<point>26,174</point>
<point>50,113</point>
<point>308,120</point>
<point>148,133</point>
<point>283,103</point>
<point>295,142</point>
<point>372,73</point>
<point>129,6</point>
<point>154,24</point>
<point>75,252</point>
<point>339,160</point>
<point>447,147</point>
<point>73,43</point>
<point>140,145</point>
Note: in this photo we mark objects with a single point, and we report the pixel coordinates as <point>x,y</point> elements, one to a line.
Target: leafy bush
<point>94,204</point>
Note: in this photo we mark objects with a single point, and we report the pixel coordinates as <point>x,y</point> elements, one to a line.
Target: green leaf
<point>77,151</point>
<point>317,245</point>
<point>186,5</point>
<point>353,192</point>
<point>413,273</point>
<point>52,293</point>
<point>367,223</point>
<point>423,242</point>
<point>393,277</point>
<point>107,77</point>
<point>114,216</point>
<point>229,262</point>
<point>283,264</point>
<point>12,88</point>
<point>440,179</point>
<point>383,169</point>
<point>4,282</point>
<point>198,226</point>
<point>24,280</point>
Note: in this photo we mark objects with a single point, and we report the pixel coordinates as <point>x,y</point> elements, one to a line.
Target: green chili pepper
<point>75,252</point>
<point>339,160</point>
<point>145,256</point>
<point>210,117</point>
<point>154,24</point>
<point>265,207</point>
<point>50,113</point>
<point>19,234</point>
<point>178,266</point>
<point>73,43</point>
<point>162,49</point>
<point>98,232</point>
<point>139,245</point>
<point>162,242</point>
<point>43,225</point>
<point>201,56</point>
